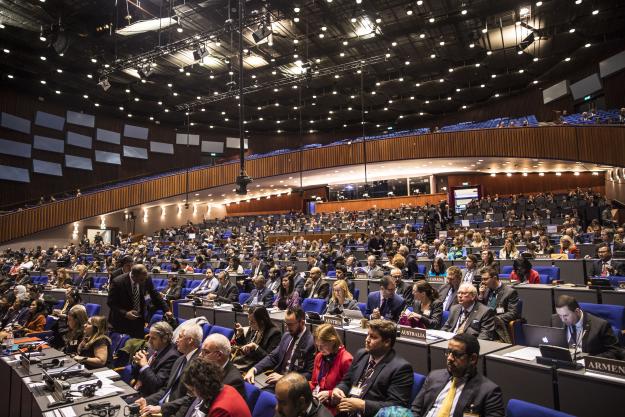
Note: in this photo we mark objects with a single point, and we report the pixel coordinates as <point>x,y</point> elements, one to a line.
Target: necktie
<point>448,299</point>
<point>604,270</point>
<point>286,361</point>
<point>461,321</point>
<point>174,382</point>
<point>363,382</point>
<point>448,402</point>
<point>136,297</point>
<point>383,308</point>
<point>573,340</point>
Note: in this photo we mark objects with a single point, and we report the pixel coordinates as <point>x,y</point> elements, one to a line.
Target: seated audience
<point>344,275</point>
<point>226,291</point>
<point>544,246</point>
<point>294,398</point>
<point>94,349</point>
<point>212,396</point>
<point>331,364</point>
<point>509,250</point>
<point>502,299</point>
<point>448,293</point>
<point>459,390</point>
<point>341,299</point>
<point>84,281</point>
<point>75,330</point>
<point>151,369</point>
<point>606,266</point>
<point>373,270</point>
<point>208,285</point>
<point>427,310</point>
<point>437,268</point>
<point>471,273</point>
<point>217,349</point>
<point>260,295</point>
<point>234,266</point>
<point>470,316</point>
<point>35,319</point>
<point>378,376</point>
<point>488,261</point>
<point>522,271</point>
<point>274,279</point>
<point>314,287</point>
<point>287,296</point>
<point>295,353</point>
<point>568,246</point>
<point>15,317</point>
<point>173,290</point>
<point>261,337</point>
<point>585,332</point>
<point>385,303</point>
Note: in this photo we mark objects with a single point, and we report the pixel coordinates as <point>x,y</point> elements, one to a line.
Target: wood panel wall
<point>379,203</point>
<point>281,204</point>
<point>594,144</point>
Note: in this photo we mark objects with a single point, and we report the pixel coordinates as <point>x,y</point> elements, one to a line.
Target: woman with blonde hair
<point>63,279</point>
<point>341,299</point>
<point>76,320</point>
<point>509,250</point>
<point>568,246</point>
<point>477,240</point>
<point>332,362</point>
<point>94,349</point>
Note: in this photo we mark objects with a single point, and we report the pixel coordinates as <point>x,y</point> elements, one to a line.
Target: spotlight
<point>145,71</point>
<point>105,84</point>
<point>261,33</point>
<point>200,52</point>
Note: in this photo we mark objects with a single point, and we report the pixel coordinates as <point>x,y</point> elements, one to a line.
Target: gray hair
<point>192,330</point>
<point>468,287</point>
<point>221,341</point>
<point>164,330</point>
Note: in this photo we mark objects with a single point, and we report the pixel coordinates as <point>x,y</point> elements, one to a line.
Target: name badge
<point>355,392</point>
<point>500,310</point>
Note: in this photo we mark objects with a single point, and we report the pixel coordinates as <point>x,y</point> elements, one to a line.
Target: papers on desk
<point>61,412</point>
<point>438,334</point>
<point>525,354</point>
<point>108,374</point>
<point>273,310</point>
<point>226,307</point>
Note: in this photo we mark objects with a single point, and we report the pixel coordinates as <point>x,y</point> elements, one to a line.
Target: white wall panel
<point>80,119</point>
<point>181,139</point>
<point>78,162</point>
<point>82,141</point>
<point>108,157</point>
<point>216,147</point>
<point>13,122</point>
<point>108,136</point>
<point>48,144</point>
<point>10,147</point>
<point>10,173</point>
<point>160,147</point>
<point>48,168</point>
<point>51,121</point>
<point>136,132</point>
<point>134,152</point>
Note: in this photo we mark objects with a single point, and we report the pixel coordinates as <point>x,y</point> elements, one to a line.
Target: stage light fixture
<point>105,84</point>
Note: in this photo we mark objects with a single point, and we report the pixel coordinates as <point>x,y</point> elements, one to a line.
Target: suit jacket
<point>157,374</point>
<point>480,323</point>
<point>479,391</point>
<point>232,377</point>
<point>598,338</point>
<point>320,290</point>
<point>392,309</point>
<point>178,398</point>
<point>597,266</point>
<point>227,294</point>
<point>85,282</point>
<point>301,360</point>
<point>269,341</point>
<point>434,319</point>
<point>507,298</point>
<point>120,302</point>
<point>265,297</point>
<point>391,382</point>
<point>442,294</point>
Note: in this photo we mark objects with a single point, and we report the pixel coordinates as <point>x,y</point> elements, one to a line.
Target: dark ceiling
<point>446,56</point>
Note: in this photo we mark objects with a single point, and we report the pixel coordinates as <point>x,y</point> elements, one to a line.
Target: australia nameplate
<point>335,321</point>
<point>412,333</point>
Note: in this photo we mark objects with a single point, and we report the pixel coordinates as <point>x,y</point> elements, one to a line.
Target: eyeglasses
<point>454,353</point>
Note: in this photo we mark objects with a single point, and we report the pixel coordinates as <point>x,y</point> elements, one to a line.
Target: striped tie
<point>136,297</point>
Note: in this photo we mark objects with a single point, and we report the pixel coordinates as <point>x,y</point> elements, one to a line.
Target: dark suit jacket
<point>298,283</point>
<point>178,398</point>
<point>392,309</point>
<point>120,302</point>
<point>442,294</point>
<point>598,339</point>
<point>269,342</point>
<point>157,374</point>
<point>508,299</point>
<point>228,294</point>
<point>232,377</point>
<point>478,391</point>
<point>391,383</point>
<point>301,361</point>
<point>320,290</point>
<point>480,323</point>
<point>265,297</point>
<point>434,320</point>
<point>597,266</point>
<point>85,282</point>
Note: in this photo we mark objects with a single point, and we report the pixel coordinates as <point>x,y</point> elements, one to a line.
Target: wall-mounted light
<point>145,215</point>
<point>163,211</point>
<point>102,222</point>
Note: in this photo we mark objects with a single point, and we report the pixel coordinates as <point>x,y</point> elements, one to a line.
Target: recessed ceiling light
<point>595,12</point>
<point>463,12</point>
<point>567,59</point>
<point>471,45</point>
<point>489,52</point>
<point>431,20</point>
<point>539,3</point>
<point>43,58</point>
<point>587,45</point>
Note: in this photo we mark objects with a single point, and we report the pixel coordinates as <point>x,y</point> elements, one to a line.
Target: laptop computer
<point>544,335</point>
<point>355,314</point>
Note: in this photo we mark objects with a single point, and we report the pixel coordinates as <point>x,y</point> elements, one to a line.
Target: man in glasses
<point>459,389</point>
<point>470,316</point>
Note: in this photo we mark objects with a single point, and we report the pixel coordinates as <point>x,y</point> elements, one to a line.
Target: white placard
<point>108,136</point>
<point>48,168</point>
<point>235,143</point>
<point>465,223</point>
<point>81,141</point>
<point>108,157</point>
<point>10,147</point>
<point>160,147</point>
<point>134,152</point>
<point>78,162</point>
<point>136,132</point>
<point>13,122</point>
<point>14,174</point>
<point>49,144</point>
<point>181,139</point>
<point>51,121</point>
<point>80,119</point>
<point>216,147</point>
<point>552,228</point>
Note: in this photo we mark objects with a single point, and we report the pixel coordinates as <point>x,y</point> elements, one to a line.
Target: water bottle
<point>9,340</point>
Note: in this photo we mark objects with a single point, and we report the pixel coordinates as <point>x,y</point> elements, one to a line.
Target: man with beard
<point>459,389</point>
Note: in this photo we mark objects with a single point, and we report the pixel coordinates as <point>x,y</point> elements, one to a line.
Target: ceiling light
<point>595,12</point>
<point>539,3</point>
<point>94,61</point>
<point>587,45</point>
<point>451,70</point>
<point>535,82</point>
<point>179,29</point>
<point>6,51</point>
<point>296,19</point>
<point>464,107</point>
<point>471,45</point>
<point>422,35</point>
<point>578,1</point>
<point>567,59</point>
<point>433,56</point>
<point>43,82</point>
<point>484,30</point>
<point>43,58</point>
<point>296,9</point>
<point>478,64</point>
<point>496,95</point>
<point>442,80</point>
<point>442,43</point>
<point>521,71</point>
<point>85,96</point>
<point>96,104</point>
<point>483,85</point>
<point>431,20</point>
<point>409,11</point>
<point>493,76</point>
<point>520,52</point>
<point>489,52</point>
<point>463,12</point>
<point>572,30</point>
<point>535,59</point>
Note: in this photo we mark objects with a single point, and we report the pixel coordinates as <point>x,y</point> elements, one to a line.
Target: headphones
<point>54,363</point>
<point>88,390</point>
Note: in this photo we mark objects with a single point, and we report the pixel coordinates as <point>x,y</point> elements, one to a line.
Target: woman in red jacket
<point>331,363</point>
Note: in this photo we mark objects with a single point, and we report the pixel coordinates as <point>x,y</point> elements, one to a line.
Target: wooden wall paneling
<point>379,203</point>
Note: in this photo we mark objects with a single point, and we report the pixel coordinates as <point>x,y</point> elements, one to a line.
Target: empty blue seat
<point>92,309</point>
<point>243,296</point>
<point>613,314</point>
<point>229,333</point>
<point>251,394</point>
<point>316,305</point>
<point>363,308</point>
<point>206,328</point>
<point>265,405</point>
<point>418,381</point>
<point>518,408</point>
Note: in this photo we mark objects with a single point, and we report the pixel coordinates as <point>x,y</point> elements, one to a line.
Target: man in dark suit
<point>471,316</point>
<point>172,397</point>
<point>226,292</point>
<point>607,236</point>
<point>605,265</point>
<point>125,264</point>
<point>260,294</point>
<point>590,334</point>
<point>151,371</point>
<point>314,286</point>
<point>126,301</point>
<point>385,304</point>
<point>479,396</point>
<point>448,293</point>
<point>258,267</point>
<point>295,399</point>
<point>216,348</point>
<point>295,353</point>
<point>377,377</point>
<point>500,298</point>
